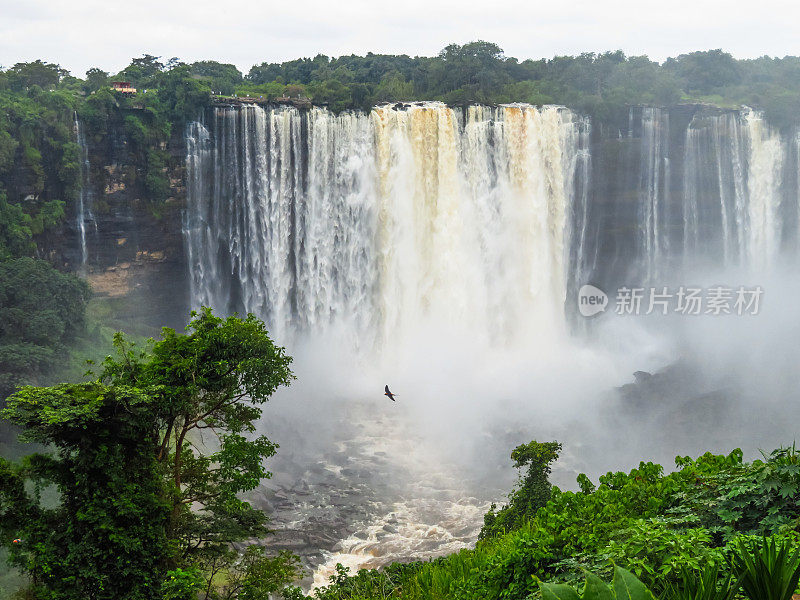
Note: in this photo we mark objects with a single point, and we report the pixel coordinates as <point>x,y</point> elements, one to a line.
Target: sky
<point>79,34</point>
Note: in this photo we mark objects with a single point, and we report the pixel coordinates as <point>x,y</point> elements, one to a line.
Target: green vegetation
<point>770,570</point>
<point>40,308</point>
<point>625,586</point>
<point>532,493</point>
<point>145,509</point>
<point>40,178</point>
<point>695,533</point>
<point>40,312</point>
<point>709,584</point>
<point>601,85</point>
<point>39,159</point>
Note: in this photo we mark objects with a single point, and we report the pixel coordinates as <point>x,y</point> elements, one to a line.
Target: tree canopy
<point>105,538</point>
<point>41,310</point>
<point>151,462</point>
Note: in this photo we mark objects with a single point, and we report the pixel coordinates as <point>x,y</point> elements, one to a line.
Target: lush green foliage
<point>105,538</point>
<point>182,584</point>
<point>39,159</point>
<point>625,586</point>
<point>251,575</point>
<point>768,570</point>
<point>710,583</point>
<point>146,508</point>
<point>41,310</point>
<point>39,155</point>
<point>601,85</point>
<point>532,492</point>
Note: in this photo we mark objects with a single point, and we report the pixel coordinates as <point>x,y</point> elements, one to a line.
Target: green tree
<point>533,489</point>
<point>474,70</point>
<point>105,539</point>
<point>182,95</point>
<point>144,503</point>
<point>143,71</point>
<point>251,575</point>
<point>393,87</point>
<point>95,79</point>
<point>36,73</point>
<point>331,92</point>
<point>15,229</point>
<point>222,78</point>
<point>706,71</point>
<point>212,379</point>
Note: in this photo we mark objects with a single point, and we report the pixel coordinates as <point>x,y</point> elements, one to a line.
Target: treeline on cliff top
<point>600,85</point>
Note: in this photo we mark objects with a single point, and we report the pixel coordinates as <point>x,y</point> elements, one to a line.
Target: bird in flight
<point>389,394</point>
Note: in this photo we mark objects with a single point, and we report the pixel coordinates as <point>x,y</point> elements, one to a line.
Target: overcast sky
<point>79,34</point>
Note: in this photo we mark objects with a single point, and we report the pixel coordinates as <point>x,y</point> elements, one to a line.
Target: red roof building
<point>123,87</point>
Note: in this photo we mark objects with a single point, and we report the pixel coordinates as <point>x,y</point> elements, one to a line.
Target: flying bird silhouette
<point>389,394</point>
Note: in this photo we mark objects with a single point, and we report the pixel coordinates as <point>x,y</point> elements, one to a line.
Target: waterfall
<point>795,166</point>
<point>420,217</point>
<point>84,215</point>
<point>654,186</point>
<point>725,209</point>
<point>714,189</point>
<point>200,238</point>
<point>584,250</point>
<point>382,222</point>
<point>764,181</point>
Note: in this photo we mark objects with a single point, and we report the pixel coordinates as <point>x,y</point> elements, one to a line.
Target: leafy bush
<point>709,584</point>
<point>182,584</point>
<point>624,587</point>
<point>768,570</point>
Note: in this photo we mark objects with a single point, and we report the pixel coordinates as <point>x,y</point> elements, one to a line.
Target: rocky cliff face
<point>133,250</point>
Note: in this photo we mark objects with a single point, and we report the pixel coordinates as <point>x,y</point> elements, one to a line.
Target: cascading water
<point>764,181</point>
<point>714,189</point>
<point>296,249</point>
<point>654,189</point>
<point>795,197</point>
<point>583,250</point>
<point>406,227</point>
<point>724,205</point>
<point>85,217</point>
<point>383,221</point>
